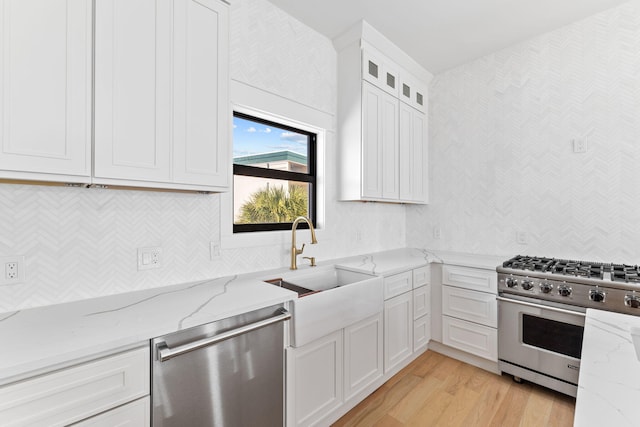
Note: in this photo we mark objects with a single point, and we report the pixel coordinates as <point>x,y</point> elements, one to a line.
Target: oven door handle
<point>544,307</point>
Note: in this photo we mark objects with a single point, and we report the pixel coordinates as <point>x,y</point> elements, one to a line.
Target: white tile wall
<point>81,243</point>
<point>500,145</point>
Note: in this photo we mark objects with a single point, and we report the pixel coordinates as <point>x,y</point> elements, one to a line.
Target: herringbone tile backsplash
<point>81,243</point>
<point>501,154</point>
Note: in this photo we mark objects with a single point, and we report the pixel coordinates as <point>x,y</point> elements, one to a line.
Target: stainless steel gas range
<point>541,309</point>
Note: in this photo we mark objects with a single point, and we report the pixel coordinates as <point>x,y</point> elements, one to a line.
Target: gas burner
<point>625,273</point>
<point>590,270</point>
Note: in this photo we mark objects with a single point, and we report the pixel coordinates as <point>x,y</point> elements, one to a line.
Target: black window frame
<point>310,177</point>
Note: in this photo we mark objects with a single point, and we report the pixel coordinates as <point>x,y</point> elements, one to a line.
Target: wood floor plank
<point>388,421</point>
<point>446,368</point>
<point>427,363</point>
<point>432,410</point>
<point>537,409</point>
<point>415,399</point>
<point>435,390</point>
<point>491,396</point>
<point>457,379</point>
<point>376,406</point>
<point>458,410</point>
<point>562,411</point>
<point>510,412</point>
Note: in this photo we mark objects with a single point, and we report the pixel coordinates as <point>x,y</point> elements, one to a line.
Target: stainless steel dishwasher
<point>226,373</point>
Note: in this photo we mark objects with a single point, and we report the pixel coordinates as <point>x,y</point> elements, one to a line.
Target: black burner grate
<point>592,270</point>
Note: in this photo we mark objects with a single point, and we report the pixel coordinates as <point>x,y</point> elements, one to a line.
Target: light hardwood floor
<point>436,390</point>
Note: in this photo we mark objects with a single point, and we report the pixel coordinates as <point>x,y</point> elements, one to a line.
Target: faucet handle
<point>299,251</point>
<point>312,259</point>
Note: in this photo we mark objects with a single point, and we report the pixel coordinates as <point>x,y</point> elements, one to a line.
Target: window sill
<point>267,238</point>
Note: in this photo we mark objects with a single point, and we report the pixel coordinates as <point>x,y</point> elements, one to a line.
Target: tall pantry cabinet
<point>382,120</point>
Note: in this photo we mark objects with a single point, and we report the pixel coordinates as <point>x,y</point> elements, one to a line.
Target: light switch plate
<point>149,258</point>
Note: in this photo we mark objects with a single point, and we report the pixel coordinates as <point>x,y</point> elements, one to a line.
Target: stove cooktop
<point>592,270</point>
<point>614,287</point>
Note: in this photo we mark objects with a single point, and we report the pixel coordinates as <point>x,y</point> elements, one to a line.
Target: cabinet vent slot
<point>391,80</point>
<point>406,90</point>
<point>419,99</point>
<point>373,69</point>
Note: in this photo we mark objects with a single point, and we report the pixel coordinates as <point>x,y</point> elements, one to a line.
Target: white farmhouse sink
<point>344,298</point>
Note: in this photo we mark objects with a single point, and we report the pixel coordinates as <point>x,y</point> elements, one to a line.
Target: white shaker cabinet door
<point>133,90</point>
<point>200,135</point>
<point>398,331</point>
<point>363,364</point>
<point>45,90</point>
<point>413,155</point>
<point>379,143</point>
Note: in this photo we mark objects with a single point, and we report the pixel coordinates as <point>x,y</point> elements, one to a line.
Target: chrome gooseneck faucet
<point>294,250</point>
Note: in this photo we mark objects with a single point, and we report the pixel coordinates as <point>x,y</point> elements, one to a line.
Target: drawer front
<point>476,339</point>
<point>132,414</point>
<point>76,393</point>
<point>397,284</point>
<point>421,333</point>
<point>470,278</point>
<point>469,305</point>
<point>421,301</point>
<point>421,276</point>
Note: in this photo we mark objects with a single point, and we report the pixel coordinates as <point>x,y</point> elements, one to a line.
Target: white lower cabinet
<point>330,375</point>
<point>134,414</point>
<point>314,383</point>
<point>398,330</point>
<point>478,307</point>
<point>79,392</point>
<point>363,343</point>
<point>471,337</point>
<point>470,310</point>
<point>421,333</point>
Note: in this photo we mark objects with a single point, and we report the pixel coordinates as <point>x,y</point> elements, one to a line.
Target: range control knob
<point>632,300</point>
<point>527,285</point>
<point>511,282</point>
<point>546,287</point>
<point>596,295</point>
<point>564,290</point>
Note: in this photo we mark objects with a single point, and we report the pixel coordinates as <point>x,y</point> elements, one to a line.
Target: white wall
<point>81,243</point>
<point>501,155</point>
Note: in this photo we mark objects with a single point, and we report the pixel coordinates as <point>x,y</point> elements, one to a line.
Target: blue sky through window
<point>250,137</point>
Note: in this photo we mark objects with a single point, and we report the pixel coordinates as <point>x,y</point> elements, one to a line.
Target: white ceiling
<point>441,34</point>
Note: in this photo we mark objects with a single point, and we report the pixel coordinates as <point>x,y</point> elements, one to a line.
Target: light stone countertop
<point>45,338</point>
<point>41,339</point>
<point>609,382</point>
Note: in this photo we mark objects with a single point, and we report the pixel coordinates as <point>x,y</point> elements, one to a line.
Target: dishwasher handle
<point>165,353</point>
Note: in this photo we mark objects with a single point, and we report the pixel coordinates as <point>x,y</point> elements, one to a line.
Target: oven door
<point>540,337</point>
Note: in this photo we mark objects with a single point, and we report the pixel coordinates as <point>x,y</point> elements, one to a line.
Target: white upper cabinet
<point>45,90</point>
<point>200,135</point>
<point>379,143</point>
<point>161,95</point>
<point>133,90</point>
<point>382,122</point>
<point>413,154</point>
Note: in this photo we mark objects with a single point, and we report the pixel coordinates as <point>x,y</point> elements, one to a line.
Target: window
<point>274,174</point>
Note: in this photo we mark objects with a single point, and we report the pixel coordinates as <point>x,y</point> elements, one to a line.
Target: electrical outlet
<point>13,270</point>
<point>522,238</point>
<point>437,233</point>
<point>580,145</point>
<point>149,258</point>
<point>214,250</point>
